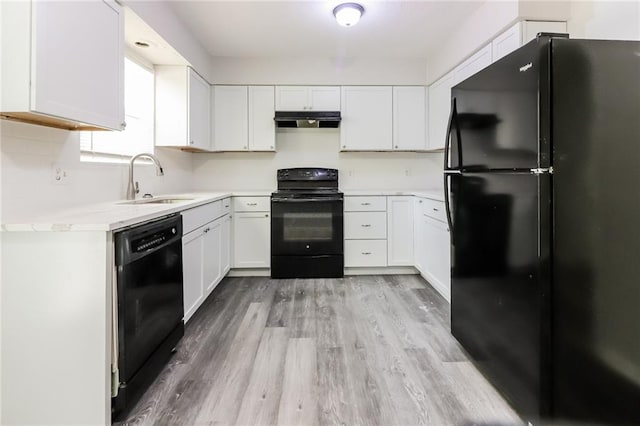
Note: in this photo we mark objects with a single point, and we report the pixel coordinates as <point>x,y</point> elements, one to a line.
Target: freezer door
<point>596,294</point>
<point>497,125</point>
<point>500,279</point>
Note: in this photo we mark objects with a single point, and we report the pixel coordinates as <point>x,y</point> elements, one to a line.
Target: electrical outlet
<point>407,172</point>
<point>60,175</point>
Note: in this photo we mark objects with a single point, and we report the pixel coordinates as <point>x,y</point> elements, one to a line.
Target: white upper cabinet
<point>230,118</point>
<point>303,98</point>
<point>367,118</point>
<point>63,63</point>
<point>243,118</point>
<point>472,65</point>
<point>410,118</point>
<point>182,108</point>
<point>521,33</point>
<point>262,127</point>
<point>439,109</point>
<point>507,42</point>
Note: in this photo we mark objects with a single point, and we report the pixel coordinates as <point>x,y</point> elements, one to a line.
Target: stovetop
<point>307,193</point>
<point>307,182</point>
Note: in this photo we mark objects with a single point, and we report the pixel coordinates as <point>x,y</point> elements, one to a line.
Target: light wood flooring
<point>362,350</point>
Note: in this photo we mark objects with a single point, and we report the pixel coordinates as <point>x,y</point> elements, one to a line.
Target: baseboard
<point>393,270</point>
<point>249,272</point>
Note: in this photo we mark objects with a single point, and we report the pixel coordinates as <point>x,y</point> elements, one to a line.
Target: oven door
<point>306,226</point>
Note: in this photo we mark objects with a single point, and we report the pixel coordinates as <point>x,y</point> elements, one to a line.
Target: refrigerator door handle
<point>447,141</point>
<point>447,207</point>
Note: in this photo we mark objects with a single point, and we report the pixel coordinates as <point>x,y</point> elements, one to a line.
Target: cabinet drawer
<point>433,208</point>
<point>198,216</point>
<point>365,225</point>
<point>365,204</point>
<point>226,205</point>
<point>251,204</point>
<point>359,253</point>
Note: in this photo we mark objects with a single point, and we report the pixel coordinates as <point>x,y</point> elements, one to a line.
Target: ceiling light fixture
<point>348,14</point>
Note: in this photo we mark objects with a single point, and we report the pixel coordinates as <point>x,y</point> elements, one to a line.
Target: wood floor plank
<point>299,400</point>
<point>303,321</point>
<point>368,388</point>
<point>327,330</point>
<point>261,400</point>
<point>281,310</point>
<point>223,401</point>
<point>334,402</point>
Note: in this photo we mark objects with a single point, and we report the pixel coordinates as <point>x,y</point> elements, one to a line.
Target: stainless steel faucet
<point>132,189</point>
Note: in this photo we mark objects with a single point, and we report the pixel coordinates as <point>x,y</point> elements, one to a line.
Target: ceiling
<point>388,29</point>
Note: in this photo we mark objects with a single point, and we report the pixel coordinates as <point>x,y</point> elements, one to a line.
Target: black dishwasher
<point>148,261</point>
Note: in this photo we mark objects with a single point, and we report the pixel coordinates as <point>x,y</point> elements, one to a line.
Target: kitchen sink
<point>167,200</point>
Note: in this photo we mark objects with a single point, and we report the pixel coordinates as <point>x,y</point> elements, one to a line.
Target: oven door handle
<point>303,200</point>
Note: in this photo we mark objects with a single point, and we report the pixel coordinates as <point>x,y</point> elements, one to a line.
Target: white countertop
<point>111,216</point>
<point>433,194</point>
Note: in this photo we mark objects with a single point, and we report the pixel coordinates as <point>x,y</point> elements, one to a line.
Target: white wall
<point>317,148</point>
<point>159,16</point>
<point>617,20</point>
<point>317,70</point>
<point>27,156</point>
<point>484,24</point>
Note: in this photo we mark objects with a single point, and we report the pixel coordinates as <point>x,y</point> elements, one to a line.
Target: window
<point>138,109</point>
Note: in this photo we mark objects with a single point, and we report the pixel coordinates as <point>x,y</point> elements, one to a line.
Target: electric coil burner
<point>307,225</point>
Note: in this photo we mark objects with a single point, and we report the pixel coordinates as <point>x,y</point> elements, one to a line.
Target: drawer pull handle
<point>365,204</point>
<point>366,225</point>
<point>366,253</point>
<point>435,210</point>
<point>252,204</point>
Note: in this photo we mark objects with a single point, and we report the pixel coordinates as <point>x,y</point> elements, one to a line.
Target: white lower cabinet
<point>437,262</point>
<point>365,231</point>
<point>205,252</point>
<point>363,253</point>
<point>251,232</point>
<point>400,231</point>
<point>192,273</point>
<point>432,257</point>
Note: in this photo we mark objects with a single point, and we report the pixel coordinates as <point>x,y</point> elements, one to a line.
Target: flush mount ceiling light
<point>348,14</point>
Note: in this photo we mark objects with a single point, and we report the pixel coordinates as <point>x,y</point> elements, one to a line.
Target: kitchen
<point>28,152</point>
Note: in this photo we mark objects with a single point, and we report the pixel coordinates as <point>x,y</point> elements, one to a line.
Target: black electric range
<point>307,224</point>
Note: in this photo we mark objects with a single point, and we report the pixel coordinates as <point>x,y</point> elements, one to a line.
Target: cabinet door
<point>367,114</point>
<point>475,63</point>
<point>419,240</point>
<point>262,129</point>
<point>211,260</point>
<point>230,118</point>
<point>438,256</point>
<point>439,109</point>
<point>507,42</point>
<point>324,98</point>
<point>291,98</point>
<point>225,245</point>
<point>199,111</point>
<point>409,118</point>
<point>192,272</point>
<point>78,61</point>
<point>251,238</point>
<point>400,231</point>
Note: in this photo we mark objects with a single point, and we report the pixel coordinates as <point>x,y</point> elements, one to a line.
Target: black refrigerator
<point>542,176</point>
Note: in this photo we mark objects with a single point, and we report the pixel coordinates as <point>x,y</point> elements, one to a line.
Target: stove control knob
<point>307,245</point>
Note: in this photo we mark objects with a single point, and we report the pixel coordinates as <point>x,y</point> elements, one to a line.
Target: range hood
<point>301,119</point>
